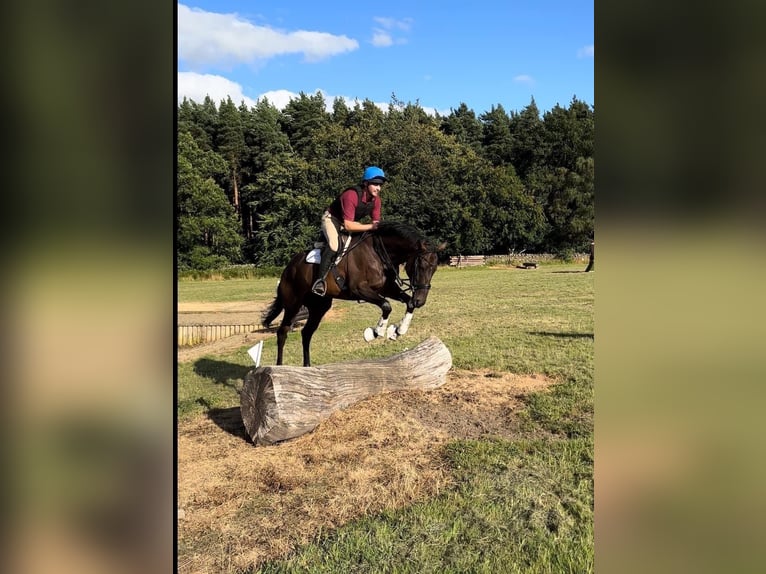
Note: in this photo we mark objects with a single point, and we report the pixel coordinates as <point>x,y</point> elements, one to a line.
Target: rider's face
<point>374,189</point>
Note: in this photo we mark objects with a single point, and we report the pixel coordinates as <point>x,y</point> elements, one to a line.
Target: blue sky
<point>440,54</point>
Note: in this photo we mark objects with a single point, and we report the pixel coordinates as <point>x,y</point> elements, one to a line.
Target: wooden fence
<point>189,335</point>
<point>197,334</point>
<point>466,260</point>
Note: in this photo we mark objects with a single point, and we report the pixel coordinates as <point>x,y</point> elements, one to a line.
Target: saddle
<point>315,256</point>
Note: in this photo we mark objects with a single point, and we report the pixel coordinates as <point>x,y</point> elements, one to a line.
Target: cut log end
<point>283,402</point>
<point>257,403</point>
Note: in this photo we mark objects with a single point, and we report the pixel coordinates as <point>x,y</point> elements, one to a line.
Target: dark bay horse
<point>368,271</point>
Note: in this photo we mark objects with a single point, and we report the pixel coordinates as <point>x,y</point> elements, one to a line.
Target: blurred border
<point>89,285</point>
<point>90,108</point>
<point>679,313</point>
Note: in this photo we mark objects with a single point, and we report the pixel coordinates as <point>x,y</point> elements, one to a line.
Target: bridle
<point>414,286</point>
<point>409,284</point>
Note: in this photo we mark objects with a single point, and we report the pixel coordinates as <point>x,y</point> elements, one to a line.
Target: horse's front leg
<point>380,329</point>
<point>395,331</point>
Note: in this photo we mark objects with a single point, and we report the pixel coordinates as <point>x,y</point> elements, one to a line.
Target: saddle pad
<point>315,255</point>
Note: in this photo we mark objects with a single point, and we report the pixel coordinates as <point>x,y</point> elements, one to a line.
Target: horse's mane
<point>400,229</point>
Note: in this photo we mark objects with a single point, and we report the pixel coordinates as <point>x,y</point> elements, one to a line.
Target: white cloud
<point>393,24</point>
<point>383,36</point>
<point>586,51</point>
<point>196,86</point>
<point>207,38</point>
<point>381,39</point>
<point>524,79</point>
<point>280,98</point>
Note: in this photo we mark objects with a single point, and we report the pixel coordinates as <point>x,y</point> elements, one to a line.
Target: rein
<point>405,285</point>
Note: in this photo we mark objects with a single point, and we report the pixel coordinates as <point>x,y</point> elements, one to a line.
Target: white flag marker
<point>255,353</point>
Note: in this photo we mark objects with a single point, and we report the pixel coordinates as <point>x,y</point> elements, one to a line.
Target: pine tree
<point>208,233</point>
<point>230,143</point>
<point>464,126</point>
<point>529,147</point>
<point>497,142</point>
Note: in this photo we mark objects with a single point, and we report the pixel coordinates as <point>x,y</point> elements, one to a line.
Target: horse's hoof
<point>391,333</point>
<point>369,334</point>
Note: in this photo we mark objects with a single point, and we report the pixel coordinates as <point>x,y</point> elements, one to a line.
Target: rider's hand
<point>375,224</point>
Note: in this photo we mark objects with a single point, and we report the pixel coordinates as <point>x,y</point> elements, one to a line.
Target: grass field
<point>377,488</point>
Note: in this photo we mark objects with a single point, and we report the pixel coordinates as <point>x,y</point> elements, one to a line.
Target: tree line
<point>252,182</point>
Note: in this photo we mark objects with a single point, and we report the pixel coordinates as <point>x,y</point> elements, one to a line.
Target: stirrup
<point>320,287</point>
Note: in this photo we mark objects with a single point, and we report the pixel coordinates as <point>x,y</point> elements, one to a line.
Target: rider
<point>345,213</point>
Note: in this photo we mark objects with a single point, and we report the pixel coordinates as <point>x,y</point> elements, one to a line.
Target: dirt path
<point>229,313</point>
<point>236,313</point>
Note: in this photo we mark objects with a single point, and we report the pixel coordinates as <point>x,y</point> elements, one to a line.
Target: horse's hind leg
<point>284,328</point>
<point>317,309</point>
<point>282,331</point>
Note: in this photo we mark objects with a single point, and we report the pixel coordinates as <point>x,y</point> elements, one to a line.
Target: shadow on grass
<point>571,271</point>
<point>230,420</point>
<point>221,372</point>
<point>562,335</point>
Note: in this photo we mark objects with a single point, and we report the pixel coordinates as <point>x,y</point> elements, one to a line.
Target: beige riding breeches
<point>330,230</point>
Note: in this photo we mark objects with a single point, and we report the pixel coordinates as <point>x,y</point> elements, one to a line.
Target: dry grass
<point>240,505</point>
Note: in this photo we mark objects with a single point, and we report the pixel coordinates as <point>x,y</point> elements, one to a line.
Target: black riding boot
<point>327,255</point>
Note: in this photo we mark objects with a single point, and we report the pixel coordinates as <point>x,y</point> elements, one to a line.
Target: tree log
<point>284,402</point>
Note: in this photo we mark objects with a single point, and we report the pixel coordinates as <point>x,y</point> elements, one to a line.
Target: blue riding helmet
<point>374,174</point>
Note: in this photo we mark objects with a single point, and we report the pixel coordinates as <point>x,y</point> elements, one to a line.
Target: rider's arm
<point>348,202</point>
<point>375,215</point>
<point>356,226</point>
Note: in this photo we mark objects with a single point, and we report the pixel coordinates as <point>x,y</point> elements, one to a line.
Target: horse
<point>368,271</point>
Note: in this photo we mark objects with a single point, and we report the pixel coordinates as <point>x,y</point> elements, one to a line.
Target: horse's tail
<point>273,310</point>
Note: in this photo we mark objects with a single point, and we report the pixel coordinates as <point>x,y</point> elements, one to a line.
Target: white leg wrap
<point>405,324</point>
<point>380,328</point>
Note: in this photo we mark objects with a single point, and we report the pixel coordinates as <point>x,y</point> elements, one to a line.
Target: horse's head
<point>403,243</point>
<point>420,268</point>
